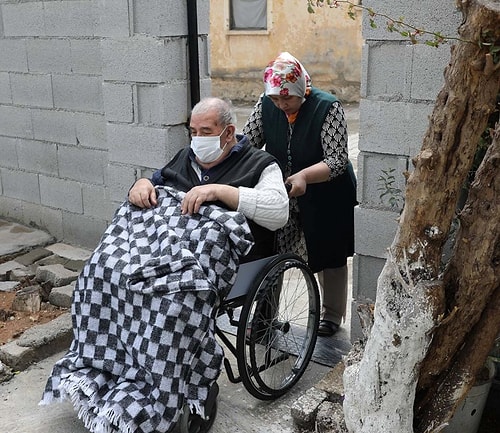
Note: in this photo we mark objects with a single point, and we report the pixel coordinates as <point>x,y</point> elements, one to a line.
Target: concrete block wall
<point>400,82</point>
<point>93,94</point>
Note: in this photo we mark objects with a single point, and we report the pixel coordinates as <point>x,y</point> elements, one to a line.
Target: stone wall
<point>93,94</point>
<point>400,82</point>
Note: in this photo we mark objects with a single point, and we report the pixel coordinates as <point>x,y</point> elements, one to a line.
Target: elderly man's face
<point>205,124</point>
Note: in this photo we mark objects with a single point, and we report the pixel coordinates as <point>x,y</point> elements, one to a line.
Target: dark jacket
<point>327,208</point>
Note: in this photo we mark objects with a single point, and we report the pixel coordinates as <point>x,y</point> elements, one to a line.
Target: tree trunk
<point>466,335</point>
<point>412,298</point>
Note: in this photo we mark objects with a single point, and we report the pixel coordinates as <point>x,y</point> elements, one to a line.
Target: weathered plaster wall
<point>328,43</point>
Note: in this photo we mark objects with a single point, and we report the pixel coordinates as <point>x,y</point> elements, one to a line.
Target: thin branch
<point>393,25</point>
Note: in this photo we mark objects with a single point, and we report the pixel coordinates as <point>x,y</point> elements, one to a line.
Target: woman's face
<point>287,103</point>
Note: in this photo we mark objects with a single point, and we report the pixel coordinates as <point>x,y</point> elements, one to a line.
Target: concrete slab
<point>56,274</point>
<point>17,238</point>
<point>57,332</point>
<point>38,343</point>
<point>69,252</point>
<point>33,256</point>
<point>8,286</point>
<point>62,296</point>
<point>16,357</point>
<point>7,267</point>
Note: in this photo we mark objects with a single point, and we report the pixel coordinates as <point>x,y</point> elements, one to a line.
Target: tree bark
<point>459,118</point>
<point>411,295</point>
<point>462,342</point>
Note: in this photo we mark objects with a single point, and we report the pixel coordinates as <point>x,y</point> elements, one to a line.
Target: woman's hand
<point>143,194</point>
<point>299,184</point>
<point>317,173</point>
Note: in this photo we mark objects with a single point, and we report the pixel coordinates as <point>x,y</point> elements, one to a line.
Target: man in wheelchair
<point>143,307</point>
<point>221,167</point>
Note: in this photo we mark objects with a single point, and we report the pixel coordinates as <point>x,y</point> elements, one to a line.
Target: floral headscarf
<point>285,75</point>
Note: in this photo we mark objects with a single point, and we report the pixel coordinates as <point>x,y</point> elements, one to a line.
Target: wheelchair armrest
<point>247,274</point>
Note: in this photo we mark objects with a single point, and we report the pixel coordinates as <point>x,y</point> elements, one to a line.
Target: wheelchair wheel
<point>192,423</point>
<point>278,327</point>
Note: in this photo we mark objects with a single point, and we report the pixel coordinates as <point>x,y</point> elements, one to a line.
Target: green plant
<point>386,183</point>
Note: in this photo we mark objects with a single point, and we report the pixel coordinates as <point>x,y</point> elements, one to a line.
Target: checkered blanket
<point>143,316</point>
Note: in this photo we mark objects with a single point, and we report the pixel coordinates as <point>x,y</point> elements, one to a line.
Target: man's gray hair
<point>223,107</point>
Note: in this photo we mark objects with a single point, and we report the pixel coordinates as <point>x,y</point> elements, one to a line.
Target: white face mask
<point>207,149</point>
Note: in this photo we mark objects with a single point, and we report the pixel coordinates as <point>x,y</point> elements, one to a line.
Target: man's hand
<point>143,194</point>
<point>198,195</point>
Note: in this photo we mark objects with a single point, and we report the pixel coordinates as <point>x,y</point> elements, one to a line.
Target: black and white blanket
<point>143,316</point>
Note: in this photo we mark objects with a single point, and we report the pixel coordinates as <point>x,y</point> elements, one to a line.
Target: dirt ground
<point>14,323</point>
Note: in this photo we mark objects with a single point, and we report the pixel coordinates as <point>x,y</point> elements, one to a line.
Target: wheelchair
<point>272,312</point>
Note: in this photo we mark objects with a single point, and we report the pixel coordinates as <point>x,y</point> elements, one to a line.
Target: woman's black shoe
<point>327,328</point>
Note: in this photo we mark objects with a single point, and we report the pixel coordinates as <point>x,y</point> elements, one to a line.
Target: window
<point>248,14</point>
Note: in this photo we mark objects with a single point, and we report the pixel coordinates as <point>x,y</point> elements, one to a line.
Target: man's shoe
<point>327,328</point>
